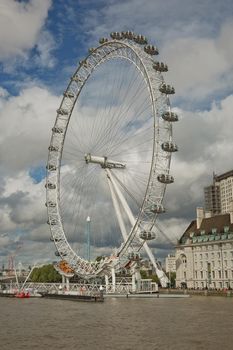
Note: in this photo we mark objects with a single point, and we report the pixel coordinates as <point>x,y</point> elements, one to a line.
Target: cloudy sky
<point>40,45</point>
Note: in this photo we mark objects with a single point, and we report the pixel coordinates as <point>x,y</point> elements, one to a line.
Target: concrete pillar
<point>138,279</point>
<point>113,280</point>
<point>134,282</point>
<point>63,281</point>
<point>106,283</point>
<point>67,283</point>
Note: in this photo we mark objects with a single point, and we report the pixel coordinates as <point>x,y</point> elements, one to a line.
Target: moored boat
<point>73,296</point>
<point>22,295</point>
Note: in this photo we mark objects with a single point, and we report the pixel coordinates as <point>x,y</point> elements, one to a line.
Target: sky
<point>41,43</point>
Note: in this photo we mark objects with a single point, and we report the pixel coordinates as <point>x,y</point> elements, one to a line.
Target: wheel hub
<point>104,162</point>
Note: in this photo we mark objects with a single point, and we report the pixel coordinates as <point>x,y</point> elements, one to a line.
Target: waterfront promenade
<point>198,292</point>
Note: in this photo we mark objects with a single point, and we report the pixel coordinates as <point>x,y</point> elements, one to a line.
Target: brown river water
<point>125,324</point>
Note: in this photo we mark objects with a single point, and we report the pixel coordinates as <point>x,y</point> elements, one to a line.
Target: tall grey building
<point>219,195</point>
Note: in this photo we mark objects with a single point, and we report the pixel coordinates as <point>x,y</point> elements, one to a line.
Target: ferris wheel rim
<point>113,43</point>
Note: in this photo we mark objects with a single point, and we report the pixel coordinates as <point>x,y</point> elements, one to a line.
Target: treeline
<point>46,274</point>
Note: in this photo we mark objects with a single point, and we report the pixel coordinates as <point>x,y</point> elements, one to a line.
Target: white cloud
<point>205,143</point>
<point>26,122</point>
<point>21,28</point>
<point>200,67</point>
<point>44,46</point>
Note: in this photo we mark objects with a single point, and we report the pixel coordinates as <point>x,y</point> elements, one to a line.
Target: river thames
<point>125,324</point>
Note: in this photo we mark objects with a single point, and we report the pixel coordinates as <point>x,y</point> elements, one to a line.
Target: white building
<point>170,263</point>
<point>204,253</point>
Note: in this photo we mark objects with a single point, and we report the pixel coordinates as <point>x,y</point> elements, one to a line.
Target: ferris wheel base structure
<point>116,152</point>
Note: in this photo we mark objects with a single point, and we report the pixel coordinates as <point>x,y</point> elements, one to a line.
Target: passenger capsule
<point>84,63</point>
<point>151,50</point>
<point>103,40</point>
<point>157,209</point>
<point>116,35</point>
<point>69,94</point>
<point>169,146</point>
<point>55,239</point>
<point>128,35</point>
<point>52,222</point>
<point>51,167</point>
<point>165,178</point>
<point>92,49</point>
<point>147,235</point>
<point>160,67</point>
<point>140,39</point>
<point>119,36</point>
<point>134,256</point>
<point>167,89</point>
<point>77,79</point>
<point>50,204</point>
<point>53,148</point>
<point>57,130</point>
<point>170,116</point>
<point>62,111</point>
<point>50,186</point>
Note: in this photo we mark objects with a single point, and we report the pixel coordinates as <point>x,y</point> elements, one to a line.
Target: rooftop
<point>224,176</point>
<point>214,228</point>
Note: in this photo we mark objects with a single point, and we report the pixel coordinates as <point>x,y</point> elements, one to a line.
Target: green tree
<point>46,273</point>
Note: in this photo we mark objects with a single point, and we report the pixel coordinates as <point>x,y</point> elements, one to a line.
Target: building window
<point>226,274</point>
<point>213,274</point>
<point>225,262</point>
<point>201,274</point>
<point>200,256</point>
<point>219,274</point>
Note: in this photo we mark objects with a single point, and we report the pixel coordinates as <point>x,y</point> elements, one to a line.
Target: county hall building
<point>204,253</point>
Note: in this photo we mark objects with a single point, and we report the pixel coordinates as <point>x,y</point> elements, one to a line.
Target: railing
<point>124,287</point>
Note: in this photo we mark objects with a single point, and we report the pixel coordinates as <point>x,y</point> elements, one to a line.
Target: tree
<point>46,273</point>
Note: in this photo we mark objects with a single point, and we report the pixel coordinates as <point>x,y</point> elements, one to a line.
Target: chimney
<point>231,211</point>
<point>200,216</point>
<point>208,214</point>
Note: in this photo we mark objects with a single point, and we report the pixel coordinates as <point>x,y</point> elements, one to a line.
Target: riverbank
<point>197,292</point>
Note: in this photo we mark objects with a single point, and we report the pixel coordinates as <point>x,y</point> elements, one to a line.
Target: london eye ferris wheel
<point>109,155</point>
